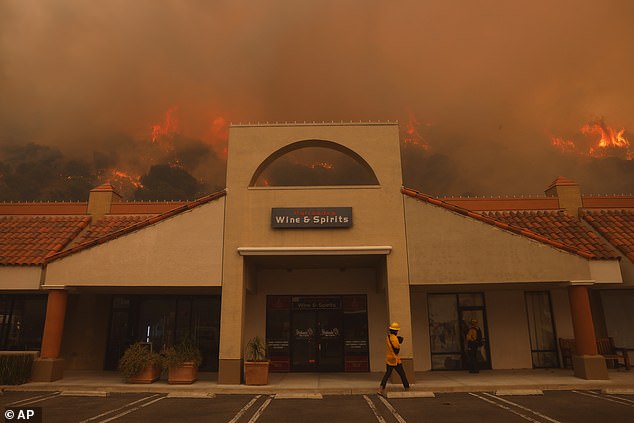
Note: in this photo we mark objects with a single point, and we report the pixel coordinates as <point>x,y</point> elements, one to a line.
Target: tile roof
<point>608,201</point>
<point>529,233</point>
<point>109,224</point>
<point>136,226</point>
<point>504,203</point>
<point>559,226</point>
<point>27,240</point>
<point>617,226</point>
<point>39,209</point>
<point>560,181</point>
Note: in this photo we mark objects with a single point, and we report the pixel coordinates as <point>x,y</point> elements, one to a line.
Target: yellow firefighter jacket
<point>391,358</point>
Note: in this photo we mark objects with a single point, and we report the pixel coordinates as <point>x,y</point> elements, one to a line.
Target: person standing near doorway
<point>473,341</point>
<point>392,360</point>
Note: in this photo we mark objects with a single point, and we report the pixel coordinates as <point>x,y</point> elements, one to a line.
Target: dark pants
<point>472,358</point>
<point>399,370</point>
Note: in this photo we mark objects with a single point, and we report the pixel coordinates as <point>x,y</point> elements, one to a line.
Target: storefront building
<point>319,269</point>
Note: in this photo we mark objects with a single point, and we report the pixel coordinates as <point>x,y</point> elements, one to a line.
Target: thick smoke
<point>492,81</point>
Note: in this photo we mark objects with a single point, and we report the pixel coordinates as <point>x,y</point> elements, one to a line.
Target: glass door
<point>541,330</point>
<point>304,341</point>
<point>330,342</point>
<point>449,317</point>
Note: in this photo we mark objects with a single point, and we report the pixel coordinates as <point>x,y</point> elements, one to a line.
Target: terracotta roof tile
<point>558,226</point>
<point>27,240</point>
<point>617,226</point>
<point>109,224</point>
<point>572,247</point>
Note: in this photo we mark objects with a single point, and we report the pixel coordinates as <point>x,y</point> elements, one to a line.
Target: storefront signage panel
<point>311,217</point>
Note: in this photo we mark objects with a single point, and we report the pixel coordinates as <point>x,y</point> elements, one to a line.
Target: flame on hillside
<point>412,133</point>
<point>169,126</point>
<point>598,141</point>
<point>126,178</point>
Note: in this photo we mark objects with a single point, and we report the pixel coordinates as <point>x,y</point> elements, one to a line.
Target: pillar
<point>50,366</point>
<point>587,363</point>
<point>232,311</point>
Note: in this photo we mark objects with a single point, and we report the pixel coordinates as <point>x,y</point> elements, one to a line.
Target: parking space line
<point>120,408</point>
<point>244,409</point>
<point>521,407</point>
<point>618,401</point>
<point>504,407</point>
<point>261,410</point>
<point>619,398</point>
<point>392,410</point>
<point>374,410</point>
<point>33,400</point>
<point>132,410</point>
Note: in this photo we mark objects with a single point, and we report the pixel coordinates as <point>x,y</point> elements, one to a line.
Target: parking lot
<point>553,407</point>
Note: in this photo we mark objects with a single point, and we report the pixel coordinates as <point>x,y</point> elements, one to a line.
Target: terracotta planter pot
<point>150,374</point>
<point>256,372</point>
<point>182,374</point>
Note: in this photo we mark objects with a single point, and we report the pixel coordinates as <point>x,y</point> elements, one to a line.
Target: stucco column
<point>586,361</point>
<point>232,323</point>
<point>54,323</point>
<point>49,366</point>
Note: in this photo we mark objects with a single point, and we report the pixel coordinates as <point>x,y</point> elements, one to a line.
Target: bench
<point>605,347</point>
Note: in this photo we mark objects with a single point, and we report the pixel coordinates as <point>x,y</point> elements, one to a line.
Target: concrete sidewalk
<point>87,382</point>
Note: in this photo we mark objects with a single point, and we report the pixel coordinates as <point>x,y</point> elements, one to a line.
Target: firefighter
<point>392,360</point>
<point>473,341</point>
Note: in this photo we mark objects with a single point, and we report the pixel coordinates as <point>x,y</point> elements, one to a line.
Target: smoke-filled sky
<point>483,85</point>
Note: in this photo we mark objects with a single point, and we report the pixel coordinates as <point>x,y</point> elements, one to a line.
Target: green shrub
<point>15,369</point>
<point>136,358</point>
<point>185,351</point>
<point>256,350</point>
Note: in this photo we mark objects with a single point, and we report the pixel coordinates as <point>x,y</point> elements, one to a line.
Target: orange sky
<point>492,81</point>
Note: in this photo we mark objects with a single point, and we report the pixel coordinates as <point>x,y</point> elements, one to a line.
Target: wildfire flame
<point>609,139</point>
<point>169,126</point>
<point>563,145</point>
<point>322,165</point>
<point>135,181</point>
<point>412,133</point>
<point>610,142</point>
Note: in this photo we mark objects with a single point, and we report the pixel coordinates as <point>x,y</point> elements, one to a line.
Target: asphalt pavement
<point>550,407</point>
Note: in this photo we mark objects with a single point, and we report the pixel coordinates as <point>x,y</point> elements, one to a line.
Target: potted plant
<point>182,361</point>
<point>140,364</point>
<point>256,364</point>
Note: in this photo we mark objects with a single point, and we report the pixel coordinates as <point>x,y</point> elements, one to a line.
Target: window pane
<point>444,329</point>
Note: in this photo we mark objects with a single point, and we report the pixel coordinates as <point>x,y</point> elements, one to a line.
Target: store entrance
<point>317,340</point>
<point>317,333</point>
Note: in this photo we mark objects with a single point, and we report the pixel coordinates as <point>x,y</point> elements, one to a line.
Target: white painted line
<point>244,409</point>
<point>374,410</point>
<point>132,410</point>
<point>258,413</point>
<point>120,408</point>
<point>618,391</point>
<point>619,401</point>
<point>619,398</point>
<point>392,410</point>
<point>522,407</point>
<point>497,404</point>
<point>84,394</point>
<point>33,400</point>
<point>298,395</point>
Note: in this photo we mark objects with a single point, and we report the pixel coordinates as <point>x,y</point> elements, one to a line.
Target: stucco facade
<point>229,267</point>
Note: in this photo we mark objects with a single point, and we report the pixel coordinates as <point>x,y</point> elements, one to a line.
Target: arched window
<point>313,163</point>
